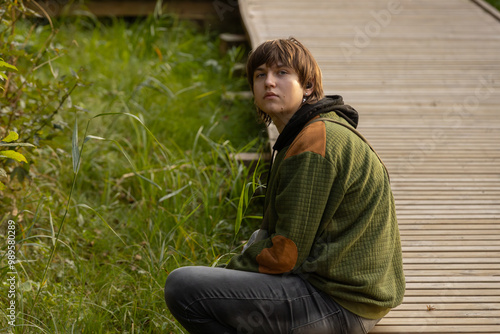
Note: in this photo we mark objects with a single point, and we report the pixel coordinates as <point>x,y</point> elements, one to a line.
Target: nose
<point>270,80</point>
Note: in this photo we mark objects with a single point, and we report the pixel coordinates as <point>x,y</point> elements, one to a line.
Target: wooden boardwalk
<point>425,77</point>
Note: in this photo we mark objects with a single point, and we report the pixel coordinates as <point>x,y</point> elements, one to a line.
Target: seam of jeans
<point>333,312</point>
<point>232,298</point>
<point>302,297</point>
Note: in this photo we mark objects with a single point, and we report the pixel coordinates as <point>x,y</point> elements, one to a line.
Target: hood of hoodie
<point>309,111</point>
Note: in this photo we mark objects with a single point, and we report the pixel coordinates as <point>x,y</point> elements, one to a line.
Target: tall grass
<point>167,70</point>
<point>148,183</point>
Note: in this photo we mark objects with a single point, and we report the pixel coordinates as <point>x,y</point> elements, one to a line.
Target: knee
<point>179,287</point>
<point>174,286</point>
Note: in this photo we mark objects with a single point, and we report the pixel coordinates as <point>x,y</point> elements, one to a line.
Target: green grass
<point>157,186</point>
<point>165,70</point>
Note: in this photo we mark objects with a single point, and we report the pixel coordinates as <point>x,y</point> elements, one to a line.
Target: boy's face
<point>278,91</point>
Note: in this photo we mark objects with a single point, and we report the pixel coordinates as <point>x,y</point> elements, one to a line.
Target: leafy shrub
<point>30,104</point>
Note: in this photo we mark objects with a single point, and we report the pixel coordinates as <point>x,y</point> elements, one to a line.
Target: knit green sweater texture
<point>331,219</point>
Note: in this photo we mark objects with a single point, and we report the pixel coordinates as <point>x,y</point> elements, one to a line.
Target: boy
<point>327,258</point>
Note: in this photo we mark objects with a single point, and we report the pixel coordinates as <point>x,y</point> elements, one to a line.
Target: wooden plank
<point>444,263</point>
<point>473,227</point>
<point>449,201</point>
<point>439,313</point>
<point>448,216</point>
<point>469,239</point>
<point>490,284</point>
<point>447,318</point>
<point>488,8</point>
<point>465,222</point>
<point>451,299</point>
<point>439,248</point>
<point>449,263</point>
<point>454,279</point>
<point>461,306</point>
<point>491,293</point>
<point>449,272</point>
<point>409,329</point>
<point>451,246</point>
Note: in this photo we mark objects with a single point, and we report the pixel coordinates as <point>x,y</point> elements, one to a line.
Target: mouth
<point>270,95</point>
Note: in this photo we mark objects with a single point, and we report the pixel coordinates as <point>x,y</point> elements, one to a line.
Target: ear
<point>308,88</point>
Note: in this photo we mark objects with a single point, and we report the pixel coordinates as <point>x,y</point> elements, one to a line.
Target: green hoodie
<point>330,217</point>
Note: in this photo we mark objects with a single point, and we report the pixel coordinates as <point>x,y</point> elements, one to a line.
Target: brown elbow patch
<point>311,139</point>
<point>280,258</point>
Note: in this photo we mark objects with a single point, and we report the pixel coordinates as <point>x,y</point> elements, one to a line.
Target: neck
<point>291,128</point>
<point>279,124</point>
<point>281,120</point>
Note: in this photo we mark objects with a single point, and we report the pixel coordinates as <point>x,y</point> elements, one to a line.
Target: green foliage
<point>3,66</point>
<point>134,172</point>
<point>163,70</point>
<point>30,103</point>
<point>494,3</point>
<point>7,142</point>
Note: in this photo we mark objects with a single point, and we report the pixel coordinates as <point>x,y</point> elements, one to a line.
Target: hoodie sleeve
<point>304,184</point>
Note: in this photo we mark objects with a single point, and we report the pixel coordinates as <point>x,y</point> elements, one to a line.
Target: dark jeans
<point>223,301</point>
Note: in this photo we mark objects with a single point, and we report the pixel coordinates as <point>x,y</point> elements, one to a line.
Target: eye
<point>259,75</point>
<point>283,72</point>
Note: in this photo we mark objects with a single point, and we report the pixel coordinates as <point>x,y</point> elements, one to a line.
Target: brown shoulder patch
<point>280,258</point>
<point>311,139</point>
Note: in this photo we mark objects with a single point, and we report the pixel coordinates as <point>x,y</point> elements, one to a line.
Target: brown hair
<point>289,52</point>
